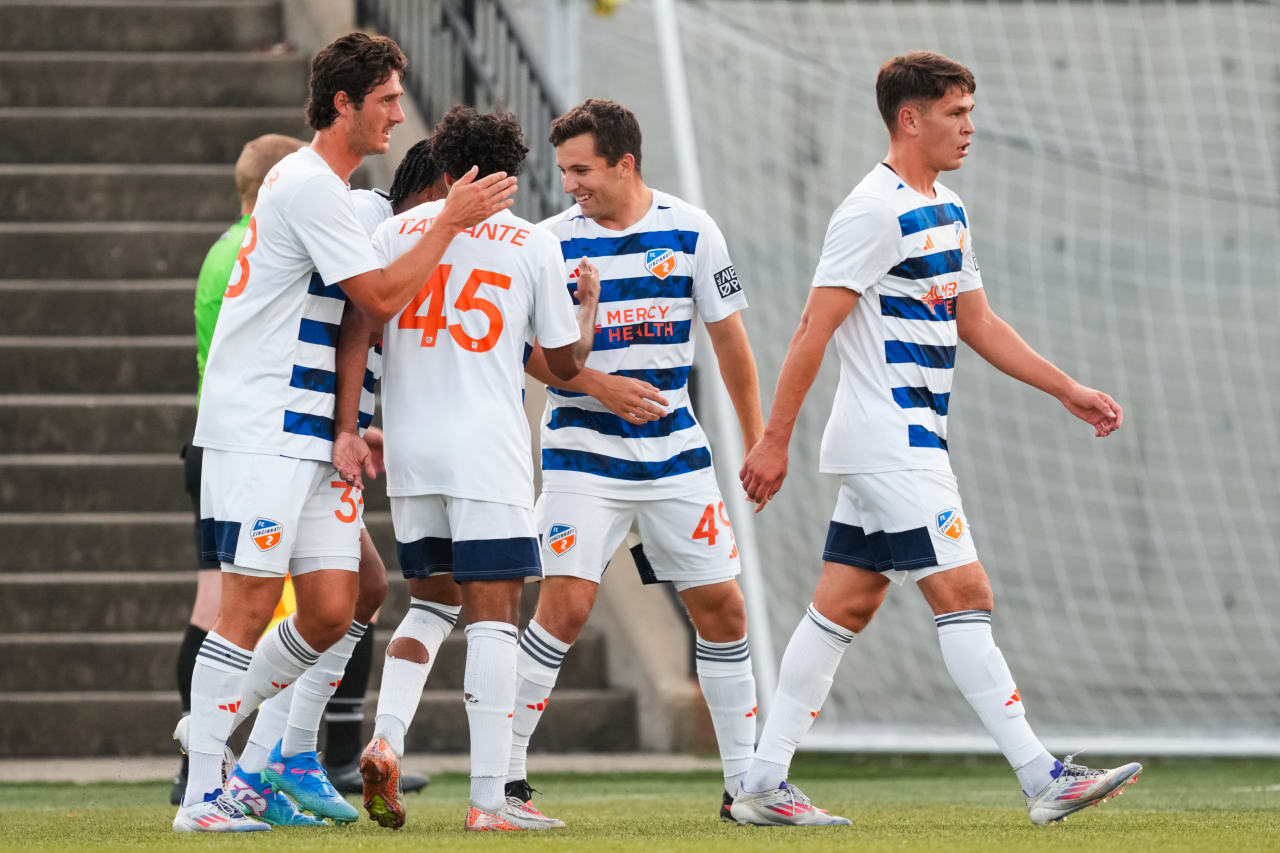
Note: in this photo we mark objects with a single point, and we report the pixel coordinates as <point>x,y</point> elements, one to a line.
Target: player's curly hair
<point>355,64</point>
<point>613,126</point>
<point>919,77</point>
<point>417,171</point>
<point>466,138</point>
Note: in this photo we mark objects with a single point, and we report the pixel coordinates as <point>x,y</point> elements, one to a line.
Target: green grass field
<point>900,804</point>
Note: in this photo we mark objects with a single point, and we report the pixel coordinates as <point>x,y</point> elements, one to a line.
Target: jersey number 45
<point>432,293</point>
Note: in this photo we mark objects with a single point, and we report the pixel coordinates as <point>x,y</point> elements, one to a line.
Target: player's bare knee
<point>407,648</point>
<point>372,594</point>
<point>852,612</point>
<point>719,613</point>
<point>438,588</point>
<point>324,624</point>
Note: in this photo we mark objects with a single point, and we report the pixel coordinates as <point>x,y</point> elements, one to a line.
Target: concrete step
<point>114,193</point>
<point>130,602</point>
<point>173,135</point>
<point>138,307</point>
<point>71,724</point>
<point>139,25</point>
<point>92,250</point>
<point>146,79</point>
<point>98,365</point>
<point>145,661</point>
<point>136,482</point>
<point>122,541</point>
<point>96,423</point>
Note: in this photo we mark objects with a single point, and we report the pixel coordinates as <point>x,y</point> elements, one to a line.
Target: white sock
<point>428,622</point>
<point>314,689</point>
<point>268,729</point>
<point>978,668</point>
<point>280,658</point>
<point>804,679</point>
<point>489,690</point>
<point>724,672</point>
<point>216,686</point>
<point>537,666</point>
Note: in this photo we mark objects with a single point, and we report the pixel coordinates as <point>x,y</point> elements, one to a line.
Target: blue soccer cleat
<point>259,799</point>
<point>303,778</point>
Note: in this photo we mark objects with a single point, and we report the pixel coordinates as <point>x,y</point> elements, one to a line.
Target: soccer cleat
<point>785,805</point>
<point>303,778</point>
<point>519,796</point>
<point>725,805</point>
<point>380,776</point>
<point>215,813</point>
<point>1076,787</point>
<point>347,779</point>
<point>182,734</point>
<point>509,817</point>
<point>257,798</point>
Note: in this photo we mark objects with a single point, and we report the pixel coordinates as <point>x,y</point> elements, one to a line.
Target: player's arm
<point>998,343</point>
<point>766,465</point>
<point>738,372</point>
<point>567,361</point>
<point>633,400</point>
<point>350,452</point>
<point>381,293</point>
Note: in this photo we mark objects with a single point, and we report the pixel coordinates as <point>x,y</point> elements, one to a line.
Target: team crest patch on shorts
<point>660,262</point>
<point>949,523</point>
<point>266,533</point>
<point>561,537</point>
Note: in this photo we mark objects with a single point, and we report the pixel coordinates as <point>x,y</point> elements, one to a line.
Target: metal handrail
<point>473,52</point>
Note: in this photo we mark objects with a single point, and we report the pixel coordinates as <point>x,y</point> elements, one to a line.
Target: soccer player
<point>256,159</point>
<point>898,286</point>
<point>620,444</point>
<point>271,502</point>
<point>285,731</point>
<point>457,458</point>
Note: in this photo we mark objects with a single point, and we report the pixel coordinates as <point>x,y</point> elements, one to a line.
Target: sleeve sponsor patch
<point>727,282</point>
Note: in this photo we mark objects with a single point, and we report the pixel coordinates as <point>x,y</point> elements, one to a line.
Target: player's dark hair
<point>417,171</point>
<point>466,138</point>
<point>613,126</point>
<point>920,77</point>
<point>355,64</point>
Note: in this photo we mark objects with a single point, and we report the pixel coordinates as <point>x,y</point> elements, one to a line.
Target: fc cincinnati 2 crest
<point>266,533</point>
<point>660,262</point>
<point>561,537</point>
<point>949,523</point>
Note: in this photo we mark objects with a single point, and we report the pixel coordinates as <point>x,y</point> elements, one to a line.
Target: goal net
<point>1124,197</point>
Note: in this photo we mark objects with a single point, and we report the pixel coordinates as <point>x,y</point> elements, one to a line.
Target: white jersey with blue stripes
<point>654,276</point>
<point>271,361</point>
<point>909,257</point>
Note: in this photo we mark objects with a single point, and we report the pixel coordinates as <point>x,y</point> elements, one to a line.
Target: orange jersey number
<point>247,246</point>
<point>345,497</point>
<point>432,294</point>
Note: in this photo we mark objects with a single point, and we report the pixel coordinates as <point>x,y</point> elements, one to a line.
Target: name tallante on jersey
<point>495,231</point>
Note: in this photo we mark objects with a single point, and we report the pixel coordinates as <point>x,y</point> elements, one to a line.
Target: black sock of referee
<point>187,663</point>
<point>344,715</point>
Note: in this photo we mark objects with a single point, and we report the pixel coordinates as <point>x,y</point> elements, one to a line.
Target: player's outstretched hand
<point>473,201</point>
<point>633,400</point>
<point>373,438</point>
<point>1095,408</point>
<point>588,281</point>
<point>763,471</point>
<point>351,455</point>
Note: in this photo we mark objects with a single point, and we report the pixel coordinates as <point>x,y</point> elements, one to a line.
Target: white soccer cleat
<point>1077,787</point>
<point>182,734</point>
<point>785,805</point>
<point>216,813</point>
<point>511,816</point>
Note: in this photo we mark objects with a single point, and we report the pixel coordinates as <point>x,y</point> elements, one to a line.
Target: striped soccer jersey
<point>654,275</point>
<point>909,257</point>
<point>271,357</point>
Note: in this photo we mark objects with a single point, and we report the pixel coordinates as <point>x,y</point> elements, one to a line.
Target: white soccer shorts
<point>265,515</point>
<point>900,522</point>
<point>475,540</point>
<point>687,540</point>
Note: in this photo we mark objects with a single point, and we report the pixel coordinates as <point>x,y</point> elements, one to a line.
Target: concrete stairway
<point>121,124</point>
